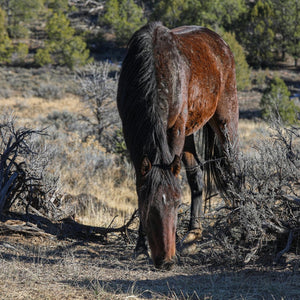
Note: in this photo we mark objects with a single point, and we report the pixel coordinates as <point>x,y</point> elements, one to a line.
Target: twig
<point>217,211</point>
<point>276,228</point>
<point>250,255</point>
<point>112,221</point>
<point>287,247</point>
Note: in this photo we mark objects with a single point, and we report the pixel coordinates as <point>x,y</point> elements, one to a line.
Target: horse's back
<point>211,73</point>
<point>201,47</point>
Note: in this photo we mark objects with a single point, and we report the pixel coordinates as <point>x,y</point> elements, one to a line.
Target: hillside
<point>54,263</point>
<point>72,225</point>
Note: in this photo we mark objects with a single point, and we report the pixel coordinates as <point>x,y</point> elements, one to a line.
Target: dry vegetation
<point>84,167</point>
<point>99,185</point>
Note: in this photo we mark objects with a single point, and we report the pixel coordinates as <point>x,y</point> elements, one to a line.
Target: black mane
<point>144,114</point>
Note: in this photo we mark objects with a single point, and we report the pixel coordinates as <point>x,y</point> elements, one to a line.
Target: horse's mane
<point>144,113</point>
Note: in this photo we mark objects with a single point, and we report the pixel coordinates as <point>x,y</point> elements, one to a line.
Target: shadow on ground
<point>246,284</point>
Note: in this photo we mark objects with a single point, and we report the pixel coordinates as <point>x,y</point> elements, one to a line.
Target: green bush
<point>241,65</point>
<point>276,102</point>
<point>20,53</point>
<point>62,46</point>
<point>124,17</point>
<point>43,57</point>
<point>6,47</point>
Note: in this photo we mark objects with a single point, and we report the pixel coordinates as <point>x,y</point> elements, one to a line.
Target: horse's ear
<point>146,166</point>
<point>176,165</point>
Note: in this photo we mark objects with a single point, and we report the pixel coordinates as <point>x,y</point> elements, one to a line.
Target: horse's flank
<point>211,72</point>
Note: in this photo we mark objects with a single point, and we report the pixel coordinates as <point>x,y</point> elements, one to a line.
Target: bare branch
<point>22,164</point>
<point>98,91</point>
<point>265,203</point>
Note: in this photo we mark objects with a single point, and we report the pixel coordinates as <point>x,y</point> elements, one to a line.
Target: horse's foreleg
<point>194,176</point>
<point>141,250</point>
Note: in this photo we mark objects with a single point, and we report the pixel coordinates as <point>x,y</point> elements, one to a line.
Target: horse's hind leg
<point>194,176</point>
<point>225,120</point>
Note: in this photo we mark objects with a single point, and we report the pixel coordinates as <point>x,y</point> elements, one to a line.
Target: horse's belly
<point>199,114</point>
<point>194,125</point>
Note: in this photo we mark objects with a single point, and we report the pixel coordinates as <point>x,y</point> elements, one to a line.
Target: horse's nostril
<point>158,262</point>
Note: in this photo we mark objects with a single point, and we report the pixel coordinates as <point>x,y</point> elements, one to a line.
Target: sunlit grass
<point>86,167</point>
<point>58,271</point>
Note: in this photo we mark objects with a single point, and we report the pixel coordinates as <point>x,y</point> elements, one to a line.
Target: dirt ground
<point>52,266</point>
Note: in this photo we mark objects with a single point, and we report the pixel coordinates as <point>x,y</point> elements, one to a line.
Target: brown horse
<point>173,83</point>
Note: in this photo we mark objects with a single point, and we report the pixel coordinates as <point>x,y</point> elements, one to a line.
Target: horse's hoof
<point>188,245</point>
<point>192,236</point>
<point>189,249</point>
<point>141,255</point>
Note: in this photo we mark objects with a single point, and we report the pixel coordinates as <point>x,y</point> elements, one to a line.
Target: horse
<point>172,83</point>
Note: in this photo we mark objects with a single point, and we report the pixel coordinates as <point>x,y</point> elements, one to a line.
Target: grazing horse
<point>173,83</point>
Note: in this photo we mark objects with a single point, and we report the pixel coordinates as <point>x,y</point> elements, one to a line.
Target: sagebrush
<point>264,193</point>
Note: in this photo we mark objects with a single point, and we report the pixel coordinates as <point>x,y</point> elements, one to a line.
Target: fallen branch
<point>21,227</point>
<point>275,228</point>
<point>67,227</point>
<point>81,229</point>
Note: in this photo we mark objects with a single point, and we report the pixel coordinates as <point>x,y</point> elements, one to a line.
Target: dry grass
<point>35,268</point>
<point>78,163</point>
<point>250,131</point>
<point>42,268</point>
<point>83,167</point>
<point>82,172</point>
<point>29,111</point>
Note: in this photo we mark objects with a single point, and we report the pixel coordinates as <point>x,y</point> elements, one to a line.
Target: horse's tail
<point>215,163</point>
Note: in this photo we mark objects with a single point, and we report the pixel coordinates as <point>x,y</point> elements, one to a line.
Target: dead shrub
<point>23,169</point>
<point>264,192</point>
<point>98,91</point>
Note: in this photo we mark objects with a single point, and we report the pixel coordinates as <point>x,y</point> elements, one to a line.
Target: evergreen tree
<point>228,12</point>
<point>287,26</point>
<point>276,102</point>
<point>170,12</point>
<point>62,46</point>
<point>214,14</point>
<point>241,65</point>
<point>5,42</point>
<point>257,33</point>
<point>124,17</point>
<point>57,6</point>
<point>20,14</point>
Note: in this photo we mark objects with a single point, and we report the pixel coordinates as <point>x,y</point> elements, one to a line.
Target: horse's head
<point>159,198</point>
